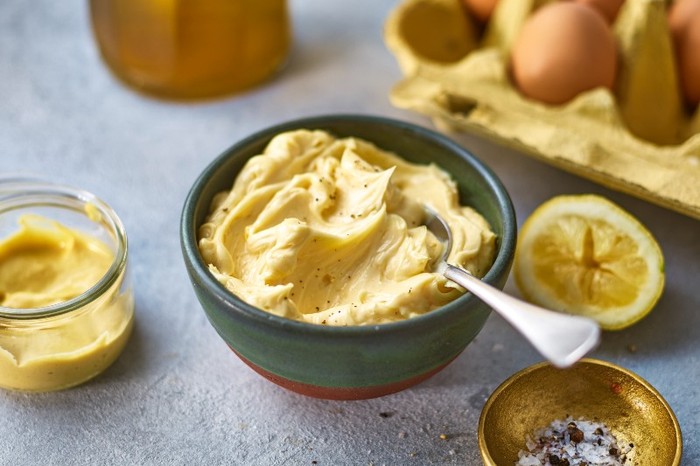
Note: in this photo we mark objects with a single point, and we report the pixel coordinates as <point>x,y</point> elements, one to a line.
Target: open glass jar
<point>51,338</point>
<point>188,49</point>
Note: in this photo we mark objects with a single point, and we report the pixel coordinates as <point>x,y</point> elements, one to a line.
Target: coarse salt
<point>572,442</point>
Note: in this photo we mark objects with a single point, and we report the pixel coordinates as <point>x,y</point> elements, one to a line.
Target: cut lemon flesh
<point>585,255</point>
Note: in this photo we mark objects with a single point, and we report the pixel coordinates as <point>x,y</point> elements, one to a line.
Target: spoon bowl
<point>561,338</point>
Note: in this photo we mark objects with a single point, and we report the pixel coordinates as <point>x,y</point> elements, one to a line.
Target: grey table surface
<point>177,395</point>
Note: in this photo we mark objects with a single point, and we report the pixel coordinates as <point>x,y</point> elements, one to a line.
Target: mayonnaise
<point>45,267</point>
<point>329,231</point>
<point>45,263</point>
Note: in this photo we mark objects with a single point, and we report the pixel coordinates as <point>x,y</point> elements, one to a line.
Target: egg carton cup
<point>637,139</point>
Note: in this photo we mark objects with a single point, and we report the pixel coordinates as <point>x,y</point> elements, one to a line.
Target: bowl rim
<point>188,231</point>
<point>506,384</point>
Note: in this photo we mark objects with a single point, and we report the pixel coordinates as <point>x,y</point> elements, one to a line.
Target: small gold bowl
<point>595,390</point>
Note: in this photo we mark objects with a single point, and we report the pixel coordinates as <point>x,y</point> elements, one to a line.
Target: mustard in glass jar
<point>188,49</point>
<point>66,304</point>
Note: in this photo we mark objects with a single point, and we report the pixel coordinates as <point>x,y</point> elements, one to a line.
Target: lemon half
<point>585,255</point>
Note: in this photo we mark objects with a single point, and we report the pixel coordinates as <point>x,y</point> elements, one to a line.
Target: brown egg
<point>689,60</point>
<point>684,25</point>
<point>480,9</point>
<point>679,15</point>
<point>608,8</point>
<point>562,50</point>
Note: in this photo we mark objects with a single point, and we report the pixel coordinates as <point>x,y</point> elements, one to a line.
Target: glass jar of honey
<point>189,49</point>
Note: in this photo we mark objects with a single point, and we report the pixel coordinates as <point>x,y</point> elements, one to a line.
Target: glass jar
<point>68,342</point>
<point>190,49</point>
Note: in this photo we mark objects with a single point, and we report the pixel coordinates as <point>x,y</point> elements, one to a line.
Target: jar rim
<point>26,191</point>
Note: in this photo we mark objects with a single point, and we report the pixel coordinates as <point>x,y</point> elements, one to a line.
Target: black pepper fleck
<point>575,434</point>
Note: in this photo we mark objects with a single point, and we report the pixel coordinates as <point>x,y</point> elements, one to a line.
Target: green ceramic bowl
<point>358,361</point>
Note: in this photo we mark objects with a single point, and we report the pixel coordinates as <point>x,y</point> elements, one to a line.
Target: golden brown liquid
<point>192,48</point>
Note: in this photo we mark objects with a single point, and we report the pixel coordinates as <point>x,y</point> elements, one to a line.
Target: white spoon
<point>561,338</point>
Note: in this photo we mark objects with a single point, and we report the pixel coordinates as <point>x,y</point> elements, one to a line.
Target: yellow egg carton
<point>638,139</point>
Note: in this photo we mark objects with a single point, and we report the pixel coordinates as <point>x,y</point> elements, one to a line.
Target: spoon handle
<point>561,338</point>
